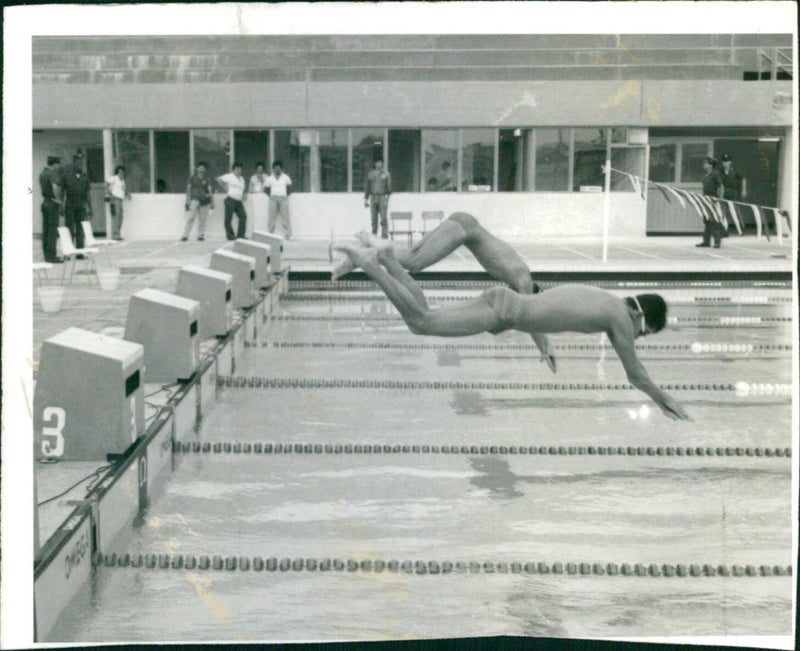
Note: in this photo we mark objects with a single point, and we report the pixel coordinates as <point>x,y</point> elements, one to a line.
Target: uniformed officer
<point>47,181</point>
<point>377,188</point>
<point>712,187</point>
<point>75,183</point>
<point>734,184</point>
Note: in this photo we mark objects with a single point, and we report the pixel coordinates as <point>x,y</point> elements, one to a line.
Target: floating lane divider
<point>695,347</point>
<point>377,565</point>
<point>241,381</point>
<point>672,320</point>
<point>248,447</point>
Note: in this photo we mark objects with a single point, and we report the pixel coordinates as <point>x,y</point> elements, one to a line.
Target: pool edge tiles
<point>63,564</point>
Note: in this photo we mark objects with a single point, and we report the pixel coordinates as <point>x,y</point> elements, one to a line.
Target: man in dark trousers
<point>712,187</point>
<point>734,184</point>
<point>75,184</point>
<point>47,179</point>
<point>377,188</point>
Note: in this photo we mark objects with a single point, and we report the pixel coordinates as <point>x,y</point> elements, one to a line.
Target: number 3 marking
<point>54,446</point>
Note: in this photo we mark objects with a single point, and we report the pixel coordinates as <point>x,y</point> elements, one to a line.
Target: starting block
<point>242,269</point>
<point>276,247</point>
<point>89,397</point>
<point>212,289</point>
<point>166,325</point>
<point>261,253</point>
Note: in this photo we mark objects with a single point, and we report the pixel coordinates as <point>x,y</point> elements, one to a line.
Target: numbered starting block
<point>276,248</point>
<point>212,289</point>
<point>261,253</point>
<point>166,325</point>
<point>89,397</point>
<point>242,269</point>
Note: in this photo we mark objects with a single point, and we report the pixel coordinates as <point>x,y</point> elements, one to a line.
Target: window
<point>552,160</point>
<point>332,154</point>
<point>172,161</point>
<point>631,161</point>
<point>477,160</point>
<point>132,149</point>
<point>250,147</point>
<point>693,155</point>
<point>405,146</point>
<point>589,158</point>
<point>293,149</point>
<point>662,163</point>
<point>367,146</point>
<point>441,146</point>
<point>514,160</point>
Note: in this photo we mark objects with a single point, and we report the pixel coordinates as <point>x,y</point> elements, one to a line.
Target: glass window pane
<point>552,160</point>
<point>132,149</point>
<point>514,163</point>
<point>249,148</point>
<point>441,146</point>
<point>332,145</point>
<point>405,146</point>
<point>692,157</point>
<point>619,135</point>
<point>213,146</point>
<point>293,150</point>
<point>631,161</point>
<point>477,160</point>
<point>590,156</point>
<point>367,145</point>
<point>172,161</point>
<point>662,163</point>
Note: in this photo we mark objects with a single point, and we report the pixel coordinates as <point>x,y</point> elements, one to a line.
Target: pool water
<point>490,506</point>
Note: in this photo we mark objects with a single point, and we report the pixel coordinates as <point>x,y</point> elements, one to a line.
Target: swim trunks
<point>505,303</point>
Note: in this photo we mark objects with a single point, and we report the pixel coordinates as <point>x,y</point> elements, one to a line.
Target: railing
<point>777,60</point>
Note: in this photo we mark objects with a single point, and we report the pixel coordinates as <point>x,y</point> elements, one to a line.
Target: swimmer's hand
<point>551,361</point>
<point>672,409</point>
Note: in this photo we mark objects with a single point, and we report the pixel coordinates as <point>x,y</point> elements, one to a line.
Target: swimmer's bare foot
<point>342,269</point>
<point>373,241</point>
<point>359,257</point>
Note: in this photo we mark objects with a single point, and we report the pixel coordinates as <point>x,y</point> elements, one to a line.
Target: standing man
<point>199,194</point>
<point>278,184</point>
<point>734,184</point>
<point>47,179</point>
<point>259,201</point>
<point>117,190</point>
<point>234,185</point>
<point>712,187</point>
<point>377,188</point>
<point>75,184</point>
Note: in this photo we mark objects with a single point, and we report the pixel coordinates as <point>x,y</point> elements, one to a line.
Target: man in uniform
<point>47,179</point>
<point>734,184</point>
<point>712,187</point>
<point>75,184</point>
<point>377,188</point>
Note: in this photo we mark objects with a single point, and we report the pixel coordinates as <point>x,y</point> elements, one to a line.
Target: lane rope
<point>672,320</point>
<point>252,382</point>
<point>245,563</point>
<point>347,285</point>
<point>246,447</point>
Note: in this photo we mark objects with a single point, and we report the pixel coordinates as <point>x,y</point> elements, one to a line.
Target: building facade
<point>513,128</point>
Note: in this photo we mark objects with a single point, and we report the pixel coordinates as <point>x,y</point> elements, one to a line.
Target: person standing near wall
<point>377,188</point>
<point>259,201</point>
<point>75,183</point>
<point>48,184</point>
<point>234,185</point>
<point>117,191</point>
<point>734,184</point>
<point>279,184</point>
<point>199,194</point>
<point>712,187</point>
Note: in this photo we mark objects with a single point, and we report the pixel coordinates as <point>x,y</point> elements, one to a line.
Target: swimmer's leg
<point>386,257</point>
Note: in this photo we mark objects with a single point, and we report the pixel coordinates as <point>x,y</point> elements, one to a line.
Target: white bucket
<point>108,279</point>
<point>50,297</point>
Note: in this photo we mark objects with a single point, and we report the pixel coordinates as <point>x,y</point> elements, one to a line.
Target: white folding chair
<point>401,219</point>
<point>70,253</point>
<point>40,268</point>
<point>433,216</point>
<point>91,241</point>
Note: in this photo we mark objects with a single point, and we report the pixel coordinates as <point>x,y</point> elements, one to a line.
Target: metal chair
<point>70,253</point>
<point>92,242</point>
<point>434,216</point>
<point>401,219</point>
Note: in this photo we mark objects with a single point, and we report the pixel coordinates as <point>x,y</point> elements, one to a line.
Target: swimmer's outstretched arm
<point>638,377</point>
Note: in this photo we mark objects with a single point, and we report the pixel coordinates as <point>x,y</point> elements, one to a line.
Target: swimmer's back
<point>571,308</point>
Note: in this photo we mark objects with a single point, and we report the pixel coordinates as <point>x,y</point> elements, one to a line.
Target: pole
<point>606,207</point>
<point>108,170</point>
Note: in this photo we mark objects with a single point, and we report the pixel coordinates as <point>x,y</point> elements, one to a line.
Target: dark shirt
<point>377,183</point>
<point>46,183</point>
<point>76,185</point>
<point>199,188</point>
<point>732,182</point>
<point>712,183</point>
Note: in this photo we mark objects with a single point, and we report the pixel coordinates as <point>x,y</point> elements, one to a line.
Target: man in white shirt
<point>234,185</point>
<point>278,185</point>
<point>117,192</point>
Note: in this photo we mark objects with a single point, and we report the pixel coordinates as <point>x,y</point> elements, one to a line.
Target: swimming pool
<point>354,481</point>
